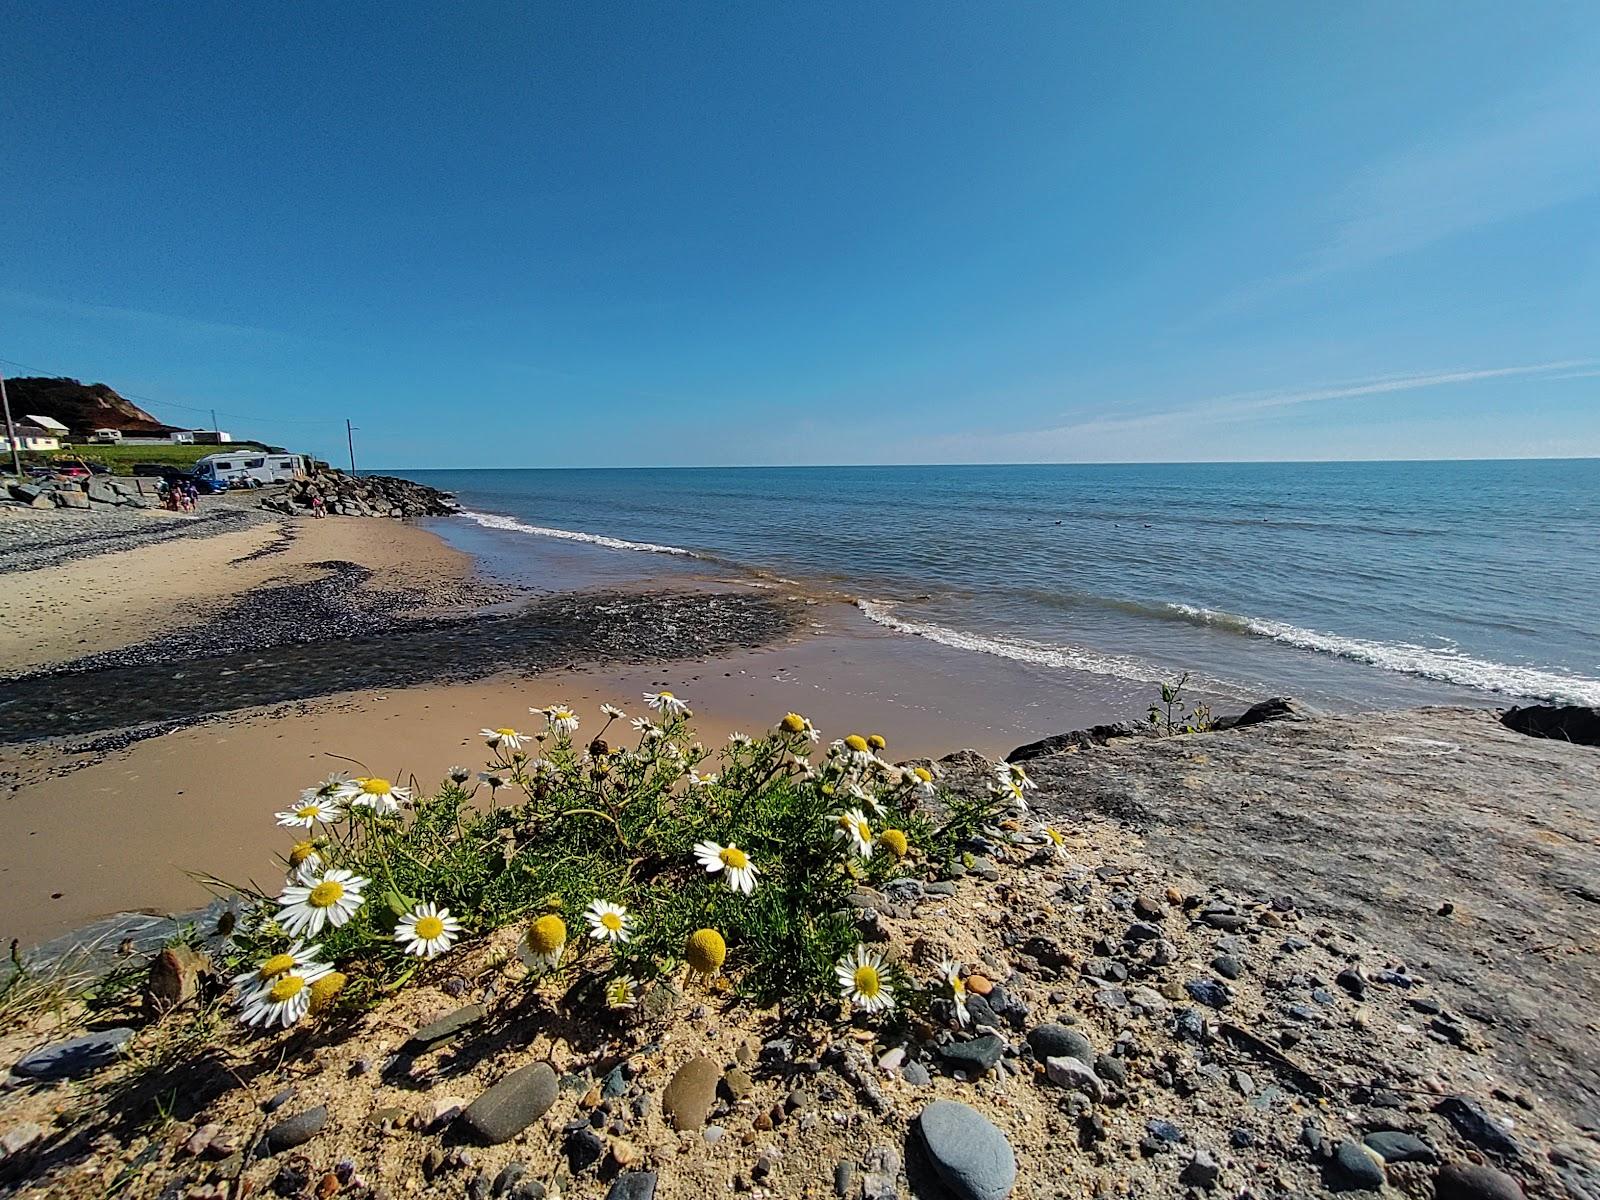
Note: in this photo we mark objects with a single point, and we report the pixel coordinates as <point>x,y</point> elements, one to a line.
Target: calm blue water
<point>1342,582</point>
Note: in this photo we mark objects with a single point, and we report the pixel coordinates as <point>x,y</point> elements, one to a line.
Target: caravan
<point>250,468</point>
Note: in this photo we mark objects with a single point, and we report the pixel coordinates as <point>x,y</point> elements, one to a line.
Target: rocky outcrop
<point>363,496</point>
<point>1077,739</point>
<point>80,494</point>
<point>1564,722</point>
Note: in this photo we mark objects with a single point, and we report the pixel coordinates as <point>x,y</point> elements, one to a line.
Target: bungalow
<point>33,433</point>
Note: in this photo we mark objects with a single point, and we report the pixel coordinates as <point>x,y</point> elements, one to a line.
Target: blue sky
<point>544,235</point>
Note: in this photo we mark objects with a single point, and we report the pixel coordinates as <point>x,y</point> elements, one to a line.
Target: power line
<point>215,412</point>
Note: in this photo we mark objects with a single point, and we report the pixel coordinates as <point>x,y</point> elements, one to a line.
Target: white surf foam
<point>1443,664</point>
<point>1021,649</point>
<point>496,521</point>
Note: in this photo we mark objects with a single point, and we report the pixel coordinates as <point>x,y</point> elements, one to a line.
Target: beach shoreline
<point>177,775</point>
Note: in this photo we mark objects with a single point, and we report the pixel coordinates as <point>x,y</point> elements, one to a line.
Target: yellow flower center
<point>326,894</point>
<point>867,982</point>
<point>325,989</point>
<point>793,723</point>
<point>300,851</point>
<point>429,928</point>
<point>735,858</point>
<point>561,714</point>
<point>923,774</point>
<point>665,696</point>
<point>706,951</point>
<point>277,965</point>
<point>863,831</point>
<point>307,811</point>
<point>958,985</point>
<point>548,934</point>
<point>877,741</point>
<point>857,743</point>
<point>1055,837</point>
<point>376,787</point>
<point>286,988</point>
<point>611,921</point>
<point>895,840</point>
<point>506,732</point>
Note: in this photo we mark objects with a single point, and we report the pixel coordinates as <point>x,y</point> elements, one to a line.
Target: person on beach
<point>318,509</point>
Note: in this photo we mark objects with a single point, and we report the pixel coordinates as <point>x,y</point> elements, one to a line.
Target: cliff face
<point>81,407</point>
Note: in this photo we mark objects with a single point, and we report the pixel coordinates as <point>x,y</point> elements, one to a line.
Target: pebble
<point>1111,1068</point>
<point>19,1137</point>
<point>1393,1146</point>
<point>691,1092</point>
<point>1227,966</point>
<point>1474,1124</point>
<point>583,1149</point>
<point>507,1178</point>
<point>274,1103</point>
<point>441,1110</point>
<point>916,1074</point>
<point>975,1056</point>
<point>1354,1166</point>
<point>1461,1181</point>
<point>737,1082</point>
<point>1212,993</point>
<point>296,1130</point>
<point>969,1154</point>
<point>1163,1130</point>
<point>1059,1041</point>
<point>633,1185</point>
<point>1201,1171</point>
<point>437,1033</point>
<point>1076,1075</point>
<point>74,1057</point>
<point>512,1104</point>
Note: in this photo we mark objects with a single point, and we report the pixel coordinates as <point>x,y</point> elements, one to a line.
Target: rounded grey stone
<point>1059,1041</point>
<point>512,1104</point>
<point>969,1154</point>
<point>297,1130</point>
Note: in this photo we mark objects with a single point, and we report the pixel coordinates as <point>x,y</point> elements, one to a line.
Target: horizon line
<point>1189,462</point>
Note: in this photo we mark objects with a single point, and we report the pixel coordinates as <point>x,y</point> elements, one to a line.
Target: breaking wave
<point>496,521</point>
<point>1073,658</point>
<point>1428,662</point>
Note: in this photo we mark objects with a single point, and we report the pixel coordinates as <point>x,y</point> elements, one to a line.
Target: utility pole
<point>214,427</point>
<point>350,436</point>
<point>11,429</point>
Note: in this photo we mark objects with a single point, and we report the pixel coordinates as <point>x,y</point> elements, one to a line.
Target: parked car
<point>206,487</point>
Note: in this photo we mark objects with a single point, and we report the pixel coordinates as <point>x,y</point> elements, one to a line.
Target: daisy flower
<point>793,723</point>
<point>459,775</point>
<point>1013,778</point>
<point>733,862</point>
<point>622,992</point>
<point>311,809</point>
<point>738,739</point>
<point>305,861</point>
<point>330,788</point>
<point>851,826</point>
<point>298,958</point>
<point>612,712</point>
<point>697,780</point>
<point>330,899</point>
<point>285,999</point>
<point>894,840</point>
<point>380,795</point>
<point>860,974</point>
<point>547,938</point>
<point>562,719</point>
<point>507,737</point>
<point>494,779</point>
<point>427,930</point>
<point>920,780</point>
<point>958,989</point>
<point>665,702</point>
<point>877,742</point>
<point>648,728</point>
<point>609,922</point>
<point>1057,839</point>
<point>857,750</point>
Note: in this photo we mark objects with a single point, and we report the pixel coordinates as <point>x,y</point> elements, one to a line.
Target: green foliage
<point>1172,715</point>
<point>556,823</point>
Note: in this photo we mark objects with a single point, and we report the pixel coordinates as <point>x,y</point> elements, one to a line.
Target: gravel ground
<point>31,539</point>
<point>302,640</point>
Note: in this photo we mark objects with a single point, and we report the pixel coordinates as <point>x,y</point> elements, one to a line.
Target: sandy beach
<point>200,798</point>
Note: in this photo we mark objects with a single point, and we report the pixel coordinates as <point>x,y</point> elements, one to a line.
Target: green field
<point>122,458</point>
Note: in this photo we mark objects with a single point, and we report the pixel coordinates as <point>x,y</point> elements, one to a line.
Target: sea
<point>1347,585</point>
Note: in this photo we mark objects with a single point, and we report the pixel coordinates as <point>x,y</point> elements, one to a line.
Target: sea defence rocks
<point>95,492</point>
<point>363,496</point>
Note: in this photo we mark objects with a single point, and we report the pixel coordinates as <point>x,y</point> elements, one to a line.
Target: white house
<point>33,433</point>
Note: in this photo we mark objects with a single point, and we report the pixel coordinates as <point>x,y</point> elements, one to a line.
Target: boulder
<point>1077,739</point>
<point>1278,708</point>
<point>1565,722</point>
<point>69,498</point>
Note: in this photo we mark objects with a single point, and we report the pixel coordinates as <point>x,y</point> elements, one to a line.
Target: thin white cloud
<point>1242,407</point>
